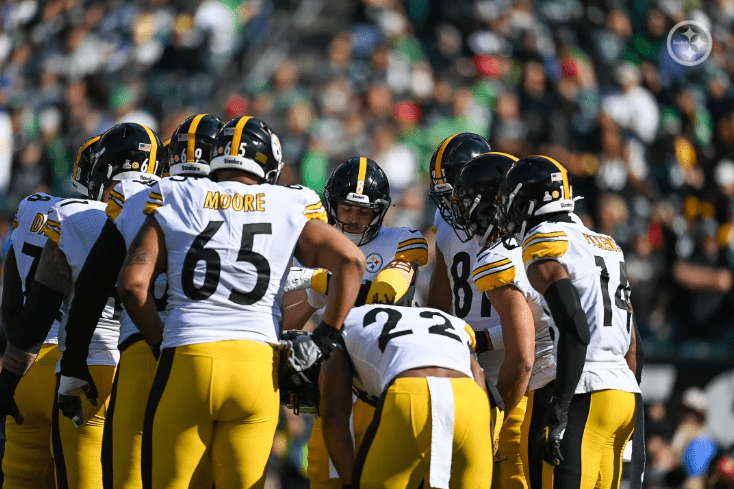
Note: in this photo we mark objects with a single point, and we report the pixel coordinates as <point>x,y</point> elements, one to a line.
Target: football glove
<point>70,390</point>
<point>298,372</point>
<point>550,437</point>
<point>8,407</point>
<point>327,339</point>
<point>298,279</point>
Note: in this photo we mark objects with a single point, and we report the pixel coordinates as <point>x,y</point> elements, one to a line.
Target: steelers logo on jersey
<point>374,262</point>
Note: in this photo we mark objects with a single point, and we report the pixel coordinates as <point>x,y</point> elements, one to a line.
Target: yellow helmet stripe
<point>513,158</point>
<point>191,141</point>
<point>361,175</point>
<point>235,149</point>
<point>439,158</point>
<point>564,173</point>
<point>153,150</point>
<point>81,150</point>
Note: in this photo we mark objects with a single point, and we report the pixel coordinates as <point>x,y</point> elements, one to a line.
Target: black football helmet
<point>80,176</point>
<point>475,197</point>
<point>191,145</point>
<point>533,186</point>
<point>166,172</point>
<point>126,151</point>
<point>446,161</point>
<point>248,144</point>
<point>360,182</point>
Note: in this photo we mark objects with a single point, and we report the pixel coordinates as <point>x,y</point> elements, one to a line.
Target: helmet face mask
<point>447,160</point>
<point>535,186</point>
<point>248,144</point>
<point>358,182</point>
<point>127,151</point>
<point>191,145</point>
<point>476,211</point>
<point>81,175</point>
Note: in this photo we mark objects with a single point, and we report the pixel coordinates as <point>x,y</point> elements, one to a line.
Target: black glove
<point>327,339</point>
<point>155,350</point>
<point>70,389</point>
<point>549,439</point>
<point>8,407</point>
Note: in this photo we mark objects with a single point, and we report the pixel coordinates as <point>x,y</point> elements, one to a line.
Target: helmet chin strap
<point>521,235</point>
<point>482,240</point>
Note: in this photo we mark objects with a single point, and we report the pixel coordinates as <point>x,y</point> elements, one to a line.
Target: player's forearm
<point>12,298</point>
<point>339,444</point>
<point>513,380</point>
<point>53,269</point>
<point>346,280</point>
<point>142,310</point>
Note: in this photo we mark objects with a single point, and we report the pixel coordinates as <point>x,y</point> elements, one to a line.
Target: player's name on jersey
<point>238,202</point>
<point>37,224</point>
<point>603,242</point>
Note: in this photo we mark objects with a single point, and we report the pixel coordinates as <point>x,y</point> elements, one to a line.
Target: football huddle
<point>157,323</point>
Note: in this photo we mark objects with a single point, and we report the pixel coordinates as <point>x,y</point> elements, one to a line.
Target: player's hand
<point>549,439</point>
<point>155,350</point>
<point>8,407</point>
<point>327,339</point>
<point>69,395</point>
<point>298,279</point>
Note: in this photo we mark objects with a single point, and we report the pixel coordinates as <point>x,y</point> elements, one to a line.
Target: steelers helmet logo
<point>275,146</point>
<point>374,262</point>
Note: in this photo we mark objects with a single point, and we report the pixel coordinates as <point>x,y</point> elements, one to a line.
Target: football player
<point>432,420</point>
<point>587,415</point>
<point>124,420</point>
<point>357,197</point>
<point>28,461</point>
<point>226,246</point>
<point>126,151</point>
<point>528,362</point>
<point>452,289</point>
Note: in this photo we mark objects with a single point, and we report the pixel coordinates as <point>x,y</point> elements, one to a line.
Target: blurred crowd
<point>650,142</point>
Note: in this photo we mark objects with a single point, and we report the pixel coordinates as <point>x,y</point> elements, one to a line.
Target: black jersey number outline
<point>621,295</point>
<point>461,283</point>
<point>394,316</point>
<point>213,263</point>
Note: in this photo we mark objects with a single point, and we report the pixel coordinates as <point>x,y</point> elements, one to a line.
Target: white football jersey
<point>229,248</point>
<point>392,244</point>
<point>496,267</point>
<point>468,302</point>
<point>28,241</point>
<point>125,206</point>
<point>383,341</point>
<point>595,265</point>
<point>74,225</point>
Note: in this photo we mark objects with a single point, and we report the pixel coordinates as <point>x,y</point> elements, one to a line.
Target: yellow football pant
<point>28,461</point>
<point>124,422</point>
<point>318,458</point>
<point>509,472</point>
<point>78,451</point>
<point>396,450</point>
<point>222,395</point>
<point>599,425</point>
